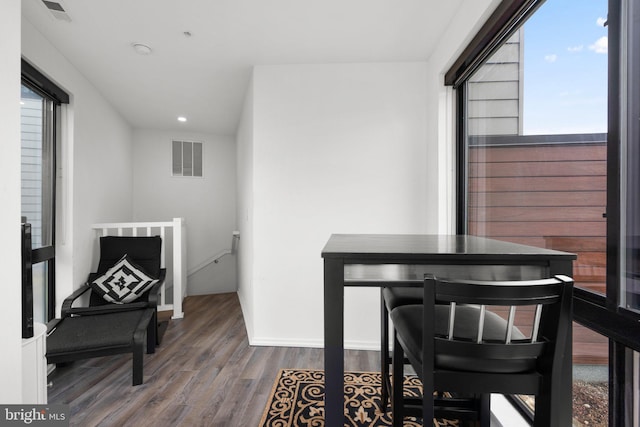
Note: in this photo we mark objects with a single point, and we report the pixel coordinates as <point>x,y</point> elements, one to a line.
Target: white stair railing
<point>179,261</point>
<point>216,258</point>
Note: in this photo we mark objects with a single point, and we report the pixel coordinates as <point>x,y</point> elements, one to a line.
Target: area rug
<point>297,400</point>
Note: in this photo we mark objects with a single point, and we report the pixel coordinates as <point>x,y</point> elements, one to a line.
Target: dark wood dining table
<point>377,260</point>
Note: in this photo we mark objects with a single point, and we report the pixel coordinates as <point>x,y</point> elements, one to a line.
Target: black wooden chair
<point>390,298</point>
<point>459,348</point>
<point>121,309</point>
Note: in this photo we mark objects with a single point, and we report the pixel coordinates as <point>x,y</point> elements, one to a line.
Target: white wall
<point>208,204</point>
<point>336,149</point>
<point>94,169</point>
<point>244,210</point>
<point>350,148</point>
<point>11,310</point>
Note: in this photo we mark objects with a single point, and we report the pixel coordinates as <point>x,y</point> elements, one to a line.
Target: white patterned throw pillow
<point>123,283</point>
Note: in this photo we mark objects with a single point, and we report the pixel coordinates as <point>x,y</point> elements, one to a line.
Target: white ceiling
<point>204,77</point>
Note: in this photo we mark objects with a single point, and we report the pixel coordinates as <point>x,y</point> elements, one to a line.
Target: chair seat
<point>82,333</point>
<point>408,320</point>
<point>397,296</point>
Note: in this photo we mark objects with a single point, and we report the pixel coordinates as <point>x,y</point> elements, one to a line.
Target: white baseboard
<point>362,345</point>
<point>310,343</point>
<point>279,342</point>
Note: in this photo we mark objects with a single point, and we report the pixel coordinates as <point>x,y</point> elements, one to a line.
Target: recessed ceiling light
<point>182,119</point>
<point>141,49</point>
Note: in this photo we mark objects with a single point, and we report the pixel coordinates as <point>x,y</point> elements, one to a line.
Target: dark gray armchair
<point>121,309</point>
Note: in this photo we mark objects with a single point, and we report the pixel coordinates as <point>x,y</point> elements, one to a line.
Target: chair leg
<point>138,363</point>
<point>152,338</point>
<point>484,410</point>
<point>397,393</point>
<point>544,407</point>
<point>428,387</point>
<point>143,331</point>
<point>384,354</point>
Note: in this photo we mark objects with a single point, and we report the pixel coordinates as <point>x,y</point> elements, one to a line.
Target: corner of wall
<point>441,108</point>
<point>244,212</point>
<point>11,358</point>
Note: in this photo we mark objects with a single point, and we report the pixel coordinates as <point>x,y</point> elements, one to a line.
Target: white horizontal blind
<point>186,158</point>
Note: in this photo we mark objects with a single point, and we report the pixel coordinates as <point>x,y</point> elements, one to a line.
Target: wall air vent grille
<point>186,158</point>
<point>57,10</point>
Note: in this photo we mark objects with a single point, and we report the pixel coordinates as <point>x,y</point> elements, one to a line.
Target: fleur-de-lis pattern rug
<point>297,400</point>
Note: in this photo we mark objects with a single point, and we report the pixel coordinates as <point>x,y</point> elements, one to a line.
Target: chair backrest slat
<point>510,322</point>
<point>536,323</point>
<point>452,320</point>
<point>483,312</point>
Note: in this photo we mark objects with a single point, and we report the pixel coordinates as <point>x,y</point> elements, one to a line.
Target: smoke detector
<point>141,49</point>
<point>57,9</point>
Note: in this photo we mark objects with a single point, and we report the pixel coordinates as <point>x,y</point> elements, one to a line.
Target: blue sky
<point>565,68</point>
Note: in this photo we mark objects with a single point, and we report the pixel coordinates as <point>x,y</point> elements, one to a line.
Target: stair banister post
<point>179,268</point>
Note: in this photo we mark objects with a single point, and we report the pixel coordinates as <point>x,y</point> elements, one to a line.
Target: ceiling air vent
<point>57,10</point>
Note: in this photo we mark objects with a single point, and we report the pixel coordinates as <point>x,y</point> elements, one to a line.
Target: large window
<point>547,106</point>
<point>40,100</point>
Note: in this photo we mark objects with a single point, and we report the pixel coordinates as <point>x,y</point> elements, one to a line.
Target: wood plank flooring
<point>203,374</point>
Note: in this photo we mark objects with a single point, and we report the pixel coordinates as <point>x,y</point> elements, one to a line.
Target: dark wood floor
<point>204,374</point>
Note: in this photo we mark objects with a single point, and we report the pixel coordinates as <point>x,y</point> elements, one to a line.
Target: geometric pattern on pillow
<point>123,283</point>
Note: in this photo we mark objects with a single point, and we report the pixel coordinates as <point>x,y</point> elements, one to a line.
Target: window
<point>547,108</point>
<point>37,165</point>
<point>40,101</point>
<point>536,138</point>
<point>186,158</point>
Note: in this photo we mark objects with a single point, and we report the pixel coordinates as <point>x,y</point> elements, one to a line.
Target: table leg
<point>334,342</point>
